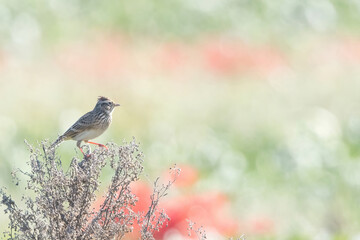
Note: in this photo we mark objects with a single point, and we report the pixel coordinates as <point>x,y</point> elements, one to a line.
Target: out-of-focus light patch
<point>5,17</point>
<point>321,14</point>
<point>248,20</point>
<point>25,30</point>
<point>206,6</point>
<point>64,8</point>
<point>212,149</point>
<point>231,169</point>
<point>164,134</point>
<point>304,151</point>
<point>357,5</point>
<point>344,52</point>
<point>237,158</point>
<point>324,124</point>
<point>353,129</point>
<point>283,81</point>
<point>8,131</point>
<point>351,173</point>
<point>260,225</point>
<point>156,150</point>
<point>173,234</point>
<point>67,118</point>
<point>322,235</point>
<point>18,158</point>
<point>211,233</point>
<point>357,235</point>
<point>162,129</point>
<point>229,176</point>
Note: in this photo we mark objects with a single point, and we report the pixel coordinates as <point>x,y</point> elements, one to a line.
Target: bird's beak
<point>116,105</point>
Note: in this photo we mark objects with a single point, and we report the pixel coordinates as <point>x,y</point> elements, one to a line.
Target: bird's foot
<point>99,144</point>
<point>86,155</point>
<point>102,145</point>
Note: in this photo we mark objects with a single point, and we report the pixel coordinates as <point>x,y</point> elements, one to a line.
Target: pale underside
<point>88,134</point>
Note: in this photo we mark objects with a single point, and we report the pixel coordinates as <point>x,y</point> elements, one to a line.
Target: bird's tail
<point>58,141</point>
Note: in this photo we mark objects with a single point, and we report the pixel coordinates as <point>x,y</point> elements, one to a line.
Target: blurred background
<point>257,101</point>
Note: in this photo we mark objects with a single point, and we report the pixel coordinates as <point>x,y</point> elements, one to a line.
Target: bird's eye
<point>106,105</point>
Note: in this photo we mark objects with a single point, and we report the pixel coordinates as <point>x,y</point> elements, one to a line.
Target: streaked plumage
<point>90,125</point>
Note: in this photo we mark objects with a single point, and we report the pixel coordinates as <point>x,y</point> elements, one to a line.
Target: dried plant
<point>155,218</point>
<point>61,206</point>
<point>199,231</point>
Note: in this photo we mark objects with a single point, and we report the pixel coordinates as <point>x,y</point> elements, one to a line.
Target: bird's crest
<point>101,98</point>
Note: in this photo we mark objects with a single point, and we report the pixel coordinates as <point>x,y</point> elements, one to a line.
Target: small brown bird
<point>91,125</point>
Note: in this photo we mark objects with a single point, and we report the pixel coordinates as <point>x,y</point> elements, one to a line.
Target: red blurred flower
<point>172,57</point>
<point>260,225</point>
<point>345,51</point>
<point>209,209</point>
<point>232,57</point>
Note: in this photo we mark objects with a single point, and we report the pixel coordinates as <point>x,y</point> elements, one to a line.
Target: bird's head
<point>106,105</point>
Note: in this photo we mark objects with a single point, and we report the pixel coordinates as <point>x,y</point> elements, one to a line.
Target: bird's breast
<point>89,134</point>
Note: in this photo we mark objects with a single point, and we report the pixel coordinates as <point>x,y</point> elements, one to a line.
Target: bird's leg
<point>99,144</point>
<point>78,145</point>
<point>82,152</point>
<point>88,145</point>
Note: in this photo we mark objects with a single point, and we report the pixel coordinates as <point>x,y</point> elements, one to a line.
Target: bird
<point>90,125</point>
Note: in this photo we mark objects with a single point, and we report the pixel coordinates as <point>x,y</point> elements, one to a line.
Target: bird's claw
<point>102,145</point>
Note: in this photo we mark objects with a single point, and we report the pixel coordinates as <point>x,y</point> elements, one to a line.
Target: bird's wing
<point>85,122</point>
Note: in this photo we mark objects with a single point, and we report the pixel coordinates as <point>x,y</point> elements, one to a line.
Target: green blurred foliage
<point>255,20</point>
